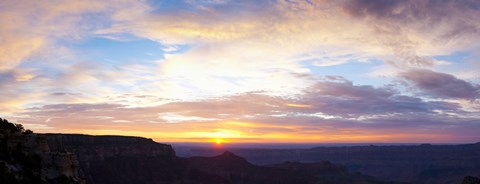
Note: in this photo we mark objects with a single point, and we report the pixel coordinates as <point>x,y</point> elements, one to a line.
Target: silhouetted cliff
<point>119,159</point>
<point>471,180</point>
<point>97,148</point>
<point>25,157</point>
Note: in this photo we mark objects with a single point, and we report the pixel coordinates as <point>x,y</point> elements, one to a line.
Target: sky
<point>260,71</point>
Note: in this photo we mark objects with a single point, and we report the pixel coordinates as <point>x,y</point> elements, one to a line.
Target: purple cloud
<point>333,107</point>
<point>441,85</point>
<point>380,8</point>
<point>343,98</point>
<point>340,98</point>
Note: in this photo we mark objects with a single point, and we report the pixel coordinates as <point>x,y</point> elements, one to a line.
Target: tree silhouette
<point>8,127</point>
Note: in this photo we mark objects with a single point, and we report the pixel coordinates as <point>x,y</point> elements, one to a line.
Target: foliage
<point>7,127</point>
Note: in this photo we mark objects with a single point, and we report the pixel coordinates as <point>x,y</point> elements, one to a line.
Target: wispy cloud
<point>335,108</point>
<point>260,63</point>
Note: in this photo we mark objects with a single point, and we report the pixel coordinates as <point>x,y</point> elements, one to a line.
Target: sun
<point>222,136</point>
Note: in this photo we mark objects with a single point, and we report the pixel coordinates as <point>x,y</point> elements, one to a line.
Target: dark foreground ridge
<point>26,157</point>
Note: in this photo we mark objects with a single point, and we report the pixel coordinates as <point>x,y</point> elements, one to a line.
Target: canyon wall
<point>119,159</point>
<point>27,158</point>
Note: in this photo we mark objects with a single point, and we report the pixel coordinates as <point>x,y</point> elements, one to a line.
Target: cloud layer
<point>252,70</point>
<point>328,111</point>
<point>442,85</point>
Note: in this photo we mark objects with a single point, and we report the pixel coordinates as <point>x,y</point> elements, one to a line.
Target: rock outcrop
<point>119,159</point>
<point>97,148</point>
<point>471,180</point>
<point>25,157</point>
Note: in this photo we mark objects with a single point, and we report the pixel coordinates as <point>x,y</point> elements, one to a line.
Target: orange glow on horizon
<point>232,132</point>
<point>299,105</point>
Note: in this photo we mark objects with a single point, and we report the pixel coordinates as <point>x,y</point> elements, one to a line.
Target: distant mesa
<point>229,155</point>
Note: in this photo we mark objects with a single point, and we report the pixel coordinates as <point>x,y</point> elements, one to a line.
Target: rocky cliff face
<point>126,160</point>
<point>25,157</point>
<point>119,159</point>
<point>97,148</point>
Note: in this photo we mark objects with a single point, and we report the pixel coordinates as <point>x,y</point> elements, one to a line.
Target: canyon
<point>121,159</point>
<point>27,157</point>
<point>421,163</point>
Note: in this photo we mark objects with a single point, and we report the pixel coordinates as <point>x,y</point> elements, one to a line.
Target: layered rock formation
<point>119,159</point>
<point>98,148</point>
<point>25,157</point>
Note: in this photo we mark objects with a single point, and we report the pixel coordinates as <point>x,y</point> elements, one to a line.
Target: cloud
<point>386,29</point>
<point>231,47</point>
<point>234,44</point>
<point>373,8</point>
<point>14,92</point>
<point>28,27</point>
<point>339,97</point>
<point>249,62</point>
<point>442,85</point>
<point>401,25</point>
<point>334,108</point>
